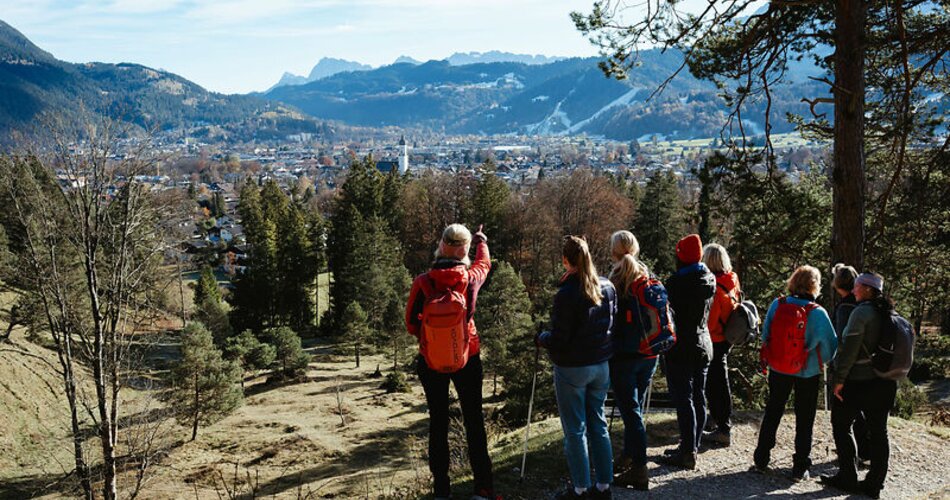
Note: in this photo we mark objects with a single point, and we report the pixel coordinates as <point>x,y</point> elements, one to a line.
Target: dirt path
<point>919,465</point>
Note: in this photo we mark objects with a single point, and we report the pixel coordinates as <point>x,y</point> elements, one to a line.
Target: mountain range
<point>568,96</point>
<point>540,96</point>
<point>329,66</point>
<point>33,84</point>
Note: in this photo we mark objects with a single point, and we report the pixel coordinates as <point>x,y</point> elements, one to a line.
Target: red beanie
<point>689,250</point>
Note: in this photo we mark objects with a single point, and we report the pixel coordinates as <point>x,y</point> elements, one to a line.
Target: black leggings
<point>468,385</point>
<point>874,398</point>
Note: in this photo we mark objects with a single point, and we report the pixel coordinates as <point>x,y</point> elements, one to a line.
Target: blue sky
<point>238,46</point>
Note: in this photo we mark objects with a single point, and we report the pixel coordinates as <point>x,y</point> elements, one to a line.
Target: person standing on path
<point>579,344</point>
<point>631,369</point>
<point>453,274</point>
<point>857,389</point>
<point>718,391</point>
<point>691,290</point>
<point>797,339</point>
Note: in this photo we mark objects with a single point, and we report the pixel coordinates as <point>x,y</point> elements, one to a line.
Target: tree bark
<point>849,184</point>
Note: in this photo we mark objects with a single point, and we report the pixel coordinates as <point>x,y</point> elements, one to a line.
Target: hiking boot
<point>570,494</point>
<point>636,477</point>
<point>622,465</point>
<point>847,485</point>
<point>799,475</point>
<point>872,491</point>
<point>761,469</point>
<point>681,460</point>
<point>723,439</point>
<point>595,494</point>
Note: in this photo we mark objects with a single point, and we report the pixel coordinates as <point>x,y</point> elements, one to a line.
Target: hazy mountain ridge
<point>33,82</point>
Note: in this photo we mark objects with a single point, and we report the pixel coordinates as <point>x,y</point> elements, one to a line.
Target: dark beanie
<point>689,250</point>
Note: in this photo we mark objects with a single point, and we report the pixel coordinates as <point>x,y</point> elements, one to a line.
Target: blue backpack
<point>645,325</point>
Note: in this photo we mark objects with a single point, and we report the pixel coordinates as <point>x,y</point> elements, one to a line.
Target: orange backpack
<point>444,328</point>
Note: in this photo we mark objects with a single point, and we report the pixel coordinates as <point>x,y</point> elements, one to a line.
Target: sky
<point>240,46</point>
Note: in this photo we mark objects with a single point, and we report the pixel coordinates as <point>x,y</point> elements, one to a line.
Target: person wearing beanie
<point>842,281</point>
<point>857,389</point>
<point>691,290</point>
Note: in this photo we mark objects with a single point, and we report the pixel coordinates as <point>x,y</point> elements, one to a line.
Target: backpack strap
<point>728,293</point>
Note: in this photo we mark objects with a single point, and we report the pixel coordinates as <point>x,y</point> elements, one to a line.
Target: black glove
<point>479,236</point>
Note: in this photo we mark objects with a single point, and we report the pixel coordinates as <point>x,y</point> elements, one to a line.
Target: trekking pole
<point>646,407</point>
<point>527,428</point>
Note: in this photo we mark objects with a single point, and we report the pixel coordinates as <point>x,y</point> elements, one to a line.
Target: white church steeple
<point>403,156</point>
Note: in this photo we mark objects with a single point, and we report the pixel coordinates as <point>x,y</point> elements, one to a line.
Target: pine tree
<point>250,353</point>
<point>291,360</point>
<point>503,315</point>
<point>356,328</point>
<point>491,207</point>
<point>205,386</point>
<point>213,314</point>
<point>207,287</point>
<point>660,222</point>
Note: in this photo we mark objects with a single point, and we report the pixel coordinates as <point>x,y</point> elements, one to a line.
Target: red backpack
<point>785,350</point>
<point>444,328</point>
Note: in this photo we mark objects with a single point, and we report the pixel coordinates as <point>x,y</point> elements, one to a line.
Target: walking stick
<point>527,428</point>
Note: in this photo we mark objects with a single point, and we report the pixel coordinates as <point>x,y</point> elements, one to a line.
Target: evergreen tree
<point>213,314</point>
<point>660,222</point>
<point>491,207</point>
<point>204,384</point>
<point>504,317</point>
<point>206,287</point>
<point>356,328</point>
<point>291,360</point>
<point>250,353</point>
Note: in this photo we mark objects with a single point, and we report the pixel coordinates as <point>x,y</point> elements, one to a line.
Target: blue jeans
<point>581,392</point>
<point>687,382</point>
<point>630,378</point>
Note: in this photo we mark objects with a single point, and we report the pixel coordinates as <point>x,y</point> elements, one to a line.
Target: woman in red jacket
<point>453,271</point>
<point>718,392</point>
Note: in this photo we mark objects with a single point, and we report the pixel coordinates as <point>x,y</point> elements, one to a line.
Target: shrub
<point>395,382</point>
<point>910,399</point>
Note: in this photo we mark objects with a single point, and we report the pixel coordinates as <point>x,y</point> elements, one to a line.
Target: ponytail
<point>577,253</point>
<point>624,247</point>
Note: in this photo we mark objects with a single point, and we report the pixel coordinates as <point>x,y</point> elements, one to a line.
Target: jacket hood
<point>448,273</point>
<point>728,280</point>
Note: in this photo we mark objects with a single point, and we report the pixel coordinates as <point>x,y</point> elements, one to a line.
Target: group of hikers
<point>610,333</point>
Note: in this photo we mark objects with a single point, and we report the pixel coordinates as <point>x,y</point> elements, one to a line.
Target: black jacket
<point>843,312</point>
<point>580,331</point>
<point>691,290</point>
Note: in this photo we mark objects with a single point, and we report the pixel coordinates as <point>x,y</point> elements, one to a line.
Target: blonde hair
<point>717,258</point>
<point>624,248</point>
<point>805,280</point>
<point>843,277</point>
<point>577,253</point>
<point>455,243</point>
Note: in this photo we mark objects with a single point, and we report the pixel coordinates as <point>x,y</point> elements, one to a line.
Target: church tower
<point>403,156</point>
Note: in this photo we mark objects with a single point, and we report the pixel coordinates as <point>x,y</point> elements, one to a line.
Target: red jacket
<point>450,273</point>
<point>723,304</point>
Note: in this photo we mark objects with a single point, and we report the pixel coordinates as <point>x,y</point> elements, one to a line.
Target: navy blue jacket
<point>580,331</point>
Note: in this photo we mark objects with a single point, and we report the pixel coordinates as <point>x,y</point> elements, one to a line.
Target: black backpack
<point>894,354</point>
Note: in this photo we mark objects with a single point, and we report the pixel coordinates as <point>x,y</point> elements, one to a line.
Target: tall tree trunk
<point>848,176</point>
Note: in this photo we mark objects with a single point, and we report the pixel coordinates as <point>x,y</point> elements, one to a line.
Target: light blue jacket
<point>820,338</point>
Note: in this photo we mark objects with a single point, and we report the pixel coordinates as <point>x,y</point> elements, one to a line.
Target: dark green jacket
<point>858,340</point>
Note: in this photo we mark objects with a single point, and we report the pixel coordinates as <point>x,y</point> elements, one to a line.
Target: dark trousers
<point>687,383</point>
<point>468,385</point>
<point>859,429</point>
<point>806,404</point>
<point>717,388</point>
<point>873,398</point>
